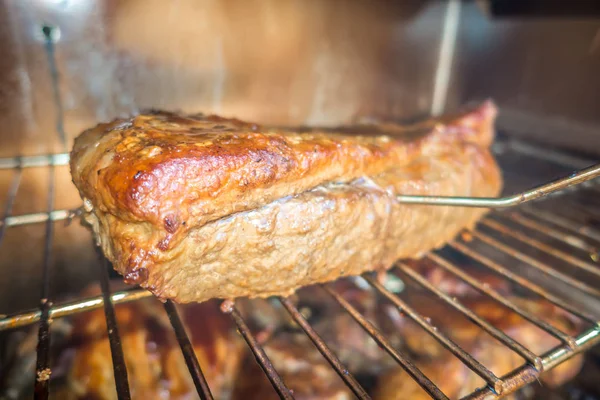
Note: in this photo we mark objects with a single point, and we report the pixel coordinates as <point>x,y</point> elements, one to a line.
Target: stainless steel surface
<point>293,63</point>
<point>541,71</point>
<point>280,63</point>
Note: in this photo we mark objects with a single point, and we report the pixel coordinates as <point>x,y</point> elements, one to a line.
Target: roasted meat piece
<point>197,207</point>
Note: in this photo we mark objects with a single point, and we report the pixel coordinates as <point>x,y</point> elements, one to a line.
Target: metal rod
<point>446,56</point>
<point>586,196</point>
<point>188,352</point>
<point>333,360</point>
<point>548,154</point>
<point>116,350</point>
<point>526,374</point>
<point>595,189</point>
<point>580,209</point>
<point>484,288</point>
<point>49,35</point>
<point>521,281</point>
<point>10,201</point>
<point>228,307</point>
<point>422,380</point>
<point>69,308</point>
<point>567,238</point>
<point>489,328</point>
<point>36,218</point>
<point>43,347</point>
<point>34,161</point>
<point>563,222</point>
<point>543,247</point>
<point>445,341</point>
<point>588,209</point>
<point>508,201</point>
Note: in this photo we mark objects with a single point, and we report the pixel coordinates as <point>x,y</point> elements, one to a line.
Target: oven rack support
<point>557,224</point>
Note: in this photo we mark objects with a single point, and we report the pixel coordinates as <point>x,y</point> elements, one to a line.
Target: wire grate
<point>42,363</point>
<point>188,352</point>
<point>494,232</point>
<point>116,350</point>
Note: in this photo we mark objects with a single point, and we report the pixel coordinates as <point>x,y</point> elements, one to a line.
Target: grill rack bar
<point>10,202</point>
<point>282,390</point>
<point>519,280</point>
<point>527,374</point>
<point>191,360</point>
<point>136,294</point>
<point>421,379</point>
<point>42,365</point>
<point>580,209</point>
<point>590,212</point>
<point>567,238</point>
<point>515,346</point>
<point>449,266</point>
<point>574,261</point>
<point>333,360</point>
<point>535,263</point>
<point>445,341</point>
<point>71,308</point>
<point>42,375</point>
<point>563,222</point>
<point>47,160</point>
<point>116,350</point>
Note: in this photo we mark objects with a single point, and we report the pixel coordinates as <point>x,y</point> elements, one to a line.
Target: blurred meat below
<point>156,367</point>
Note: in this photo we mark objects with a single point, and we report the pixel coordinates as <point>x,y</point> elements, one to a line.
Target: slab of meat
<point>201,207</point>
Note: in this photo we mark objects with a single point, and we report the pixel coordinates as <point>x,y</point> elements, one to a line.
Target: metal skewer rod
<point>508,201</point>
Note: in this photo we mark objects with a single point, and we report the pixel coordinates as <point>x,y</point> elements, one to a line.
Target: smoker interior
<point>546,250</point>
<point>71,64</point>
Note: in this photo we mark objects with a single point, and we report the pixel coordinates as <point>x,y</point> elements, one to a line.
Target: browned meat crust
<point>194,208</point>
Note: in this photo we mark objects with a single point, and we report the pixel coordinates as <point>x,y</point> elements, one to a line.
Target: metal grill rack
<point>557,226</point>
